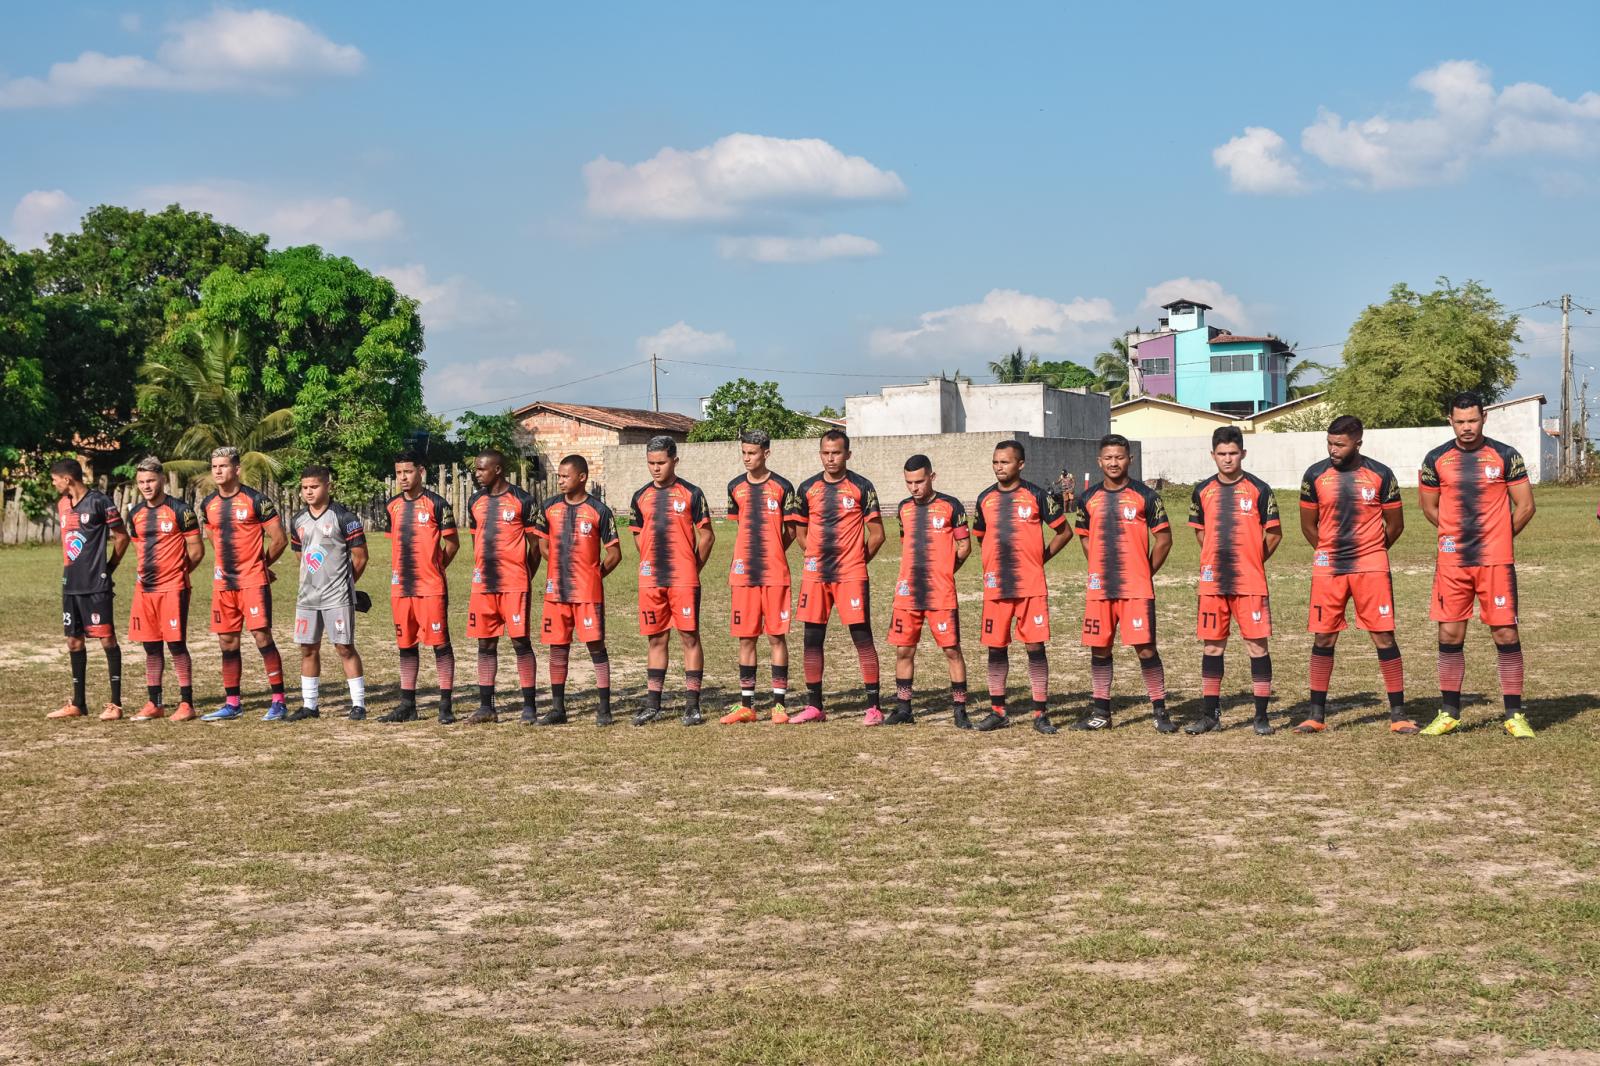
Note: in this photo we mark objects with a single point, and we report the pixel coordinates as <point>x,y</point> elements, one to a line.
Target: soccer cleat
<point>184,713</point>
<point>603,717</point>
<point>873,716</point>
<point>780,716</point>
<point>1204,724</point>
<point>483,716</point>
<point>1165,724</point>
<point>1517,726</point>
<point>692,716</point>
<point>737,716</point>
<point>554,716</point>
<point>992,721</point>
<point>1311,725</point>
<point>529,716</point>
<point>1404,726</point>
<point>647,715</point>
<point>112,713</point>
<point>301,714</point>
<point>406,712</point>
<point>959,719</point>
<point>277,711</point>
<point>1043,724</point>
<point>357,714</point>
<point>446,716</point>
<point>1095,721</point>
<point>1263,727</point>
<point>810,714</point>
<point>226,713</point>
<point>1443,722</point>
<point>68,711</point>
<point>148,713</point>
<point>899,717</point>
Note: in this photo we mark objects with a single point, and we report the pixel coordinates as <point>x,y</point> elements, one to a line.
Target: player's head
<point>408,472</point>
<point>661,456</point>
<point>65,473</point>
<point>1113,456</point>
<point>316,485</point>
<point>1344,440</point>
<point>225,467</point>
<point>1227,449</point>
<point>754,447</point>
<point>919,477</point>
<point>150,478</point>
<point>835,451</point>
<point>573,475</point>
<point>1466,416</point>
<point>1007,461</point>
<point>489,468</point>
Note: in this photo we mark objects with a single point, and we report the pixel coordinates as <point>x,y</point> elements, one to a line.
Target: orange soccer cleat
<point>148,713</point>
<point>112,713</point>
<point>184,713</point>
<point>68,711</point>
<point>780,716</point>
<point>738,715</point>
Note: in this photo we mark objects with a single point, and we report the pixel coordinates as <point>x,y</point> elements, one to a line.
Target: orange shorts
<point>759,609</point>
<point>1372,591</point>
<point>675,607</point>
<point>420,620</point>
<point>162,616</point>
<point>818,598</point>
<point>1102,619</point>
<point>1494,587</point>
<point>236,609</point>
<point>1029,614</point>
<point>905,627</point>
<point>565,622</point>
<point>490,614</point>
<point>1253,614</point>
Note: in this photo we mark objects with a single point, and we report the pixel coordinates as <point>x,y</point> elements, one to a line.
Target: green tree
<point>27,405</point>
<point>1295,380</point>
<point>1014,368</point>
<point>1406,356</point>
<point>743,404</point>
<point>1065,374</point>
<point>479,432</point>
<point>1111,370</point>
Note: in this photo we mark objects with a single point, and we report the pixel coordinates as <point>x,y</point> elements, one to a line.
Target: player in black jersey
<point>88,519</point>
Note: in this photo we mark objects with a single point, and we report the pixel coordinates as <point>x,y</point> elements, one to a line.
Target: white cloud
<point>42,212</point>
<point>798,249</point>
<point>1256,163</point>
<point>449,301</point>
<point>485,381</point>
<point>727,179</point>
<point>1003,319</point>
<point>225,50</point>
<point>1224,304</point>
<point>287,220</point>
<point>680,338</point>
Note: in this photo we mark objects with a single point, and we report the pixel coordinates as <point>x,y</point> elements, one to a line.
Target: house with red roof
<point>1208,368</point>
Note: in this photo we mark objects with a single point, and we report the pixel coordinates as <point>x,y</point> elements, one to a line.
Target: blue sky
<point>866,192</point>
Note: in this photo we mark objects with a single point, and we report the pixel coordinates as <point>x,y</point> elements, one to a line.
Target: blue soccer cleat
<point>277,711</point>
<point>226,713</point>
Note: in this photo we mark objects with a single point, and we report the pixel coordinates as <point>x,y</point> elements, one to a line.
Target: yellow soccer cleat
<point>1517,726</point>
<point>1443,722</point>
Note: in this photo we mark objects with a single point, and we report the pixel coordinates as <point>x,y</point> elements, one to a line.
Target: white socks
<point>309,687</point>
<point>358,691</point>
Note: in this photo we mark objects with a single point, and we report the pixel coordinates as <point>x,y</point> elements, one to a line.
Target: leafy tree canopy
<point>742,404</point>
<point>477,433</point>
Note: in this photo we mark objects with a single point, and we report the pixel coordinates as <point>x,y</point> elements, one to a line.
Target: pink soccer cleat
<point>810,714</point>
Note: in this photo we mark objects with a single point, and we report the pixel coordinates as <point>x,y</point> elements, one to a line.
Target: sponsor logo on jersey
<point>645,569</point>
<point>73,543</point>
<point>314,559</point>
<point>216,572</point>
<point>1208,573</point>
<point>1322,559</point>
<point>813,563</point>
<point>1447,544</point>
<point>549,588</point>
<point>477,576</point>
<point>1094,582</point>
<point>903,589</point>
<point>738,566</point>
<point>394,579</point>
<point>991,580</point>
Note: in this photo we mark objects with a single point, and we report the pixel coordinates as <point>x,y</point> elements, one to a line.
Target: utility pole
<point>655,392</point>
<point>1569,449</point>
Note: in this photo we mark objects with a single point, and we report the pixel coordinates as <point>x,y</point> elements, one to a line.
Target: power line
<point>775,370</point>
<point>544,389</point>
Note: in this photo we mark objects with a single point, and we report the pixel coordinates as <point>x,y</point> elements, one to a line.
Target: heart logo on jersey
<point>314,560</point>
<point>73,542</point>
<point>1491,472</point>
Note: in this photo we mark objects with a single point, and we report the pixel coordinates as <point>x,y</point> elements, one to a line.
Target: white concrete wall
<point>939,406</point>
<point>1280,459</point>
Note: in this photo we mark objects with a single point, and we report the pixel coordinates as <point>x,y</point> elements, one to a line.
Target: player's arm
<point>963,551</point>
<point>787,533</point>
<point>277,542</point>
<point>704,539</point>
<point>612,557</point>
<point>449,544</point>
<point>1394,524</point>
<point>875,536</point>
<point>1053,508</point>
<point>1160,548</point>
<point>1308,523</point>
<point>1270,539</point>
<point>358,561</point>
<point>119,547</point>
<point>1429,502</point>
<point>1058,542</point>
<point>194,547</point>
<point>1521,506</point>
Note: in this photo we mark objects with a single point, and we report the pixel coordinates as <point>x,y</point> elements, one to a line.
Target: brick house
<point>564,428</point>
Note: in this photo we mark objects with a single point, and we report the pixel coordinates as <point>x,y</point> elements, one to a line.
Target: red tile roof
<point>612,417</point>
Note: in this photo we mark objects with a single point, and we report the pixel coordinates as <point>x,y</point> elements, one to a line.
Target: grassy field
<point>357,893</point>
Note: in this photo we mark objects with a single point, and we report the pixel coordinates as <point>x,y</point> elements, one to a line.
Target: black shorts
<point>86,615</point>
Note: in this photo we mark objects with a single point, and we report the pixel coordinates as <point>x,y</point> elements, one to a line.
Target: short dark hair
<point>1016,446</point>
<point>919,462</point>
<point>1113,440</point>
<point>1346,426</point>
<point>1227,435</point>
<point>1461,401</point>
<point>759,437</point>
<point>70,467</point>
<point>315,470</point>
<point>577,462</point>
<point>839,435</point>
<point>494,453</point>
<point>662,443</point>
<point>408,457</point>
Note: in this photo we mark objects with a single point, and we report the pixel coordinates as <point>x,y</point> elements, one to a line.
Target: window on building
<point>1235,409</point>
<point>1228,364</point>
<point>1158,367</point>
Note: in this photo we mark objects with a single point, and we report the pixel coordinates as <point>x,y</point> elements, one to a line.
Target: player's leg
<point>1033,629</point>
<point>1260,681</point>
<point>746,709</point>
<point>1213,659</point>
<point>1138,625</point>
<point>408,627</point>
<point>527,676</point>
<point>107,632</point>
<point>657,654</point>
<point>558,658</point>
<point>1392,669</point>
<point>956,659</point>
<point>259,621</point>
<point>488,670</point>
<point>778,609</point>
<point>1099,631</point>
<point>600,659</point>
<point>444,665</point>
<point>354,670</point>
<point>746,613</point>
<point>310,644</point>
<point>1326,620</point>
<point>227,620</point>
<point>1508,650</point>
<point>996,629</point>
<point>694,672</point>
<point>905,678</point>
<point>1373,594</point>
<point>155,668</point>
<point>72,624</point>
<point>855,610</point>
<point>816,605</point>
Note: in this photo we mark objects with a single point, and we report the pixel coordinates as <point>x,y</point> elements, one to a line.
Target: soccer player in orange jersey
<point>247,537</point>
<point>1235,520</point>
<point>1126,538</point>
<point>89,521</point>
<point>505,557</point>
<point>1475,490</point>
<point>1011,519</point>
<point>578,537</point>
<point>759,502</point>
<point>671,525</point>
<point>423,539</point>
<point>844,530</point>
<point>934,542</point>
<point>1350,514</point>
<point>166,547</point>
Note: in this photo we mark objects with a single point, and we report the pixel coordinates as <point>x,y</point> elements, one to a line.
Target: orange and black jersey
<point>835,514</point>
<point>1474,504</point>
<point>574,536</point>
<point>665,519</point>
<point>501,524</point>
<point>759,510</point>
<point>1233,518</point>
<point>928,535</point>
<point>85,527</point>
<point>161,534</point>
<point>1117,525</point>
<point>1350,505</point>
<point>417,529</point>
<point>238,526</point>
<point>1010,524</point>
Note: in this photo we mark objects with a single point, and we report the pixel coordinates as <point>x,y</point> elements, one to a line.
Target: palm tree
<point>1014,367</point>
<point>188,404</point>
<point>1294,380</point>
<point>1111,370</point>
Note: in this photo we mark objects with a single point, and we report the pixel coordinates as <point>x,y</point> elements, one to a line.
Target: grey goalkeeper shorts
<point>338,624</point>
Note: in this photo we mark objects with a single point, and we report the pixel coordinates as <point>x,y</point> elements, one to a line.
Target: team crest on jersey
<point>241,513</point>
<point>74,545</point>
<point>165,526</point>
<point>315,559</point>
<point>586,527</point>
<point>1038,619</point>
<point>1383,609</point>
<point>846,502</point>
<point>422,518</point>
<point>1499,601</point>
<point>855,601</point>
<point>903,589</point>
<point>1368,494</point>
<point>326,527</point>
<point>1024,511</point>
<point>772,504</point>
<point>1130,513</point>
<point>1491,472</point>
<point>678,506</point>
<point>938,522</point>
<point>507,515</point>
<point>1447,544</point>
<point>1246,504</point>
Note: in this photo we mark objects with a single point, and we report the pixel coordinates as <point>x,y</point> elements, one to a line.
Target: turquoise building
<point>1209,368</point>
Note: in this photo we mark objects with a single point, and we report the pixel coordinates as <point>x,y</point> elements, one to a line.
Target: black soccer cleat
<point>692,716</point>
<point>1043,724</point>
<point>406,712</point>
<point>554,716</point>
<point>959,719</point>
<point>446,716</point>
<point>647,715</point>
<point>357,714</point>
<point>1094,722</point>
<point>300,714</point>
<point>483,716</point>
<point>992,721</point>
<point>899,717</point>
<point>603,717</point>
<point>1204,724</point>
<point>1263,727</point>
<point>1165,724</point>
<point>529,715</point>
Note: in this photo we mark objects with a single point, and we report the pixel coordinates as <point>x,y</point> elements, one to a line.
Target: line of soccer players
<point>1473,489</point>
